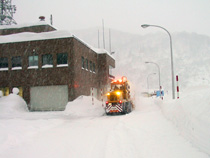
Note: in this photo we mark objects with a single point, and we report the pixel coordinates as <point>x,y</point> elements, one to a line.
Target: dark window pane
<point>91,67</point>
<point>83,62</point>
<point>62,58</point>
<point>94,67</point>
<point>86,64</point>
<point>113,98</point>
<point>47,59</point>
<point>16,62</point>
<point>33,60</point>
<point>3,63</point>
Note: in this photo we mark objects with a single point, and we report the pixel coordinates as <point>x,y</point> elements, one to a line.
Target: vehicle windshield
<point>116,86</point>
<point>113,97</point>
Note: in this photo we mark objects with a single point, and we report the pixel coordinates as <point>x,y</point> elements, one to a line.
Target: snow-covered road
<point>144,133</point>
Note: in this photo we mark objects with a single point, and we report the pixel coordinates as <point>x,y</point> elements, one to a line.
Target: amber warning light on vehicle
<point>118,93</point>
<point>123,79</point>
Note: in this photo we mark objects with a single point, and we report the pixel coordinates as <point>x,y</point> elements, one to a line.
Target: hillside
<point>191,56</point>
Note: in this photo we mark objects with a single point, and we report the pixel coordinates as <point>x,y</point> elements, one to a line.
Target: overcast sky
<point>124,15</point>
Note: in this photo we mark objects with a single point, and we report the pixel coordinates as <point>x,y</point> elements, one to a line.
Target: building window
<point>91,66</point>
<point>83,62</point>
<point>33,61</point>
<point>62,59</point>
<point>21,91</point>
<point>16,63</point>
<point>5,91</point>
<point>86,64</point>
<point>94,68</point>
<point>3,64</point>
<point>47,61</point>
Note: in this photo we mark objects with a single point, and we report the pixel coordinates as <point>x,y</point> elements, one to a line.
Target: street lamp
<point>172,65</point>
<point>147,62</point>
<point>148,80</point>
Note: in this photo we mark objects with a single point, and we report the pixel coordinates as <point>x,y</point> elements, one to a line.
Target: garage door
<point>48,98</point>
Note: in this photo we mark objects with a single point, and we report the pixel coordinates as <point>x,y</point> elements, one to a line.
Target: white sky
<point>124,15</point>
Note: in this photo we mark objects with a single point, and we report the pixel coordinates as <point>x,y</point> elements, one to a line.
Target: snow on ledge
<point>62,65</point>
<point>47,66</point>
<point>17,68</point>
<point>33,67</point>
<point>4,69</point>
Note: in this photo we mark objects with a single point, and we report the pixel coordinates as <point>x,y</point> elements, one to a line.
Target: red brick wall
<point>41,76</point>
<point>78,80</point>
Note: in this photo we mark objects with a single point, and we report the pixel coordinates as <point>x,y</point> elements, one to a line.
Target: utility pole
<point>172,63</point>
<point>6,12</point>
<point>103,33</point>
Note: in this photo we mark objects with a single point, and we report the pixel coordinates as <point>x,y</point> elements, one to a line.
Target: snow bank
<point>191,114</point>
<point>82,107</point>
<point>11,105</point>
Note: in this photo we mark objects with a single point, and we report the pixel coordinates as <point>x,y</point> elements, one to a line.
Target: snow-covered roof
<point>32,36</point>
<point>97,50</point>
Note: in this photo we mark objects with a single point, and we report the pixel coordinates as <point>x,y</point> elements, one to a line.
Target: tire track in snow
<point>119,144</point>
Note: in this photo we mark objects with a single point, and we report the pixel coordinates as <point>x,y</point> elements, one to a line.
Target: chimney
<point>42,18</point>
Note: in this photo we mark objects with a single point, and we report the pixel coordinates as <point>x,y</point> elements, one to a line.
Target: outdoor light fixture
<point>147,62</point>
<point>172,64</point>
<point>145,25</point>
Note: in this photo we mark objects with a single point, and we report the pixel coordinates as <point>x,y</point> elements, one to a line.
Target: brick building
<point>51,67</point>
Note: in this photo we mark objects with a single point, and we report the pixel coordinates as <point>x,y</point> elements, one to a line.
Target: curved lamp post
<point>172,65</point>
<point>147,62</point>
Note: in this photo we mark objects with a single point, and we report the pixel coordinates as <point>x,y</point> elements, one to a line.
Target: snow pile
<point>15,91</point>
<point>83,126</point>
<point>191,115</point>
<point>82,107</point>
<point>12,104</point>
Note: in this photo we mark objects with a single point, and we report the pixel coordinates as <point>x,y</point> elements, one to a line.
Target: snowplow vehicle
<point>118,98</point>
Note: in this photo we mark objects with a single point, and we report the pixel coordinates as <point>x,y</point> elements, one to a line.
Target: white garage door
<point>49,98</point>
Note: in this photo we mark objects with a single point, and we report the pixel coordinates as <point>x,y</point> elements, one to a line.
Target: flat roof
<point>32,36</point>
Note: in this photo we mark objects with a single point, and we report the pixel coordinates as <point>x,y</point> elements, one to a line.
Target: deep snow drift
<point>155,129</point>
<point>191,115</point>
<point>82,130</point>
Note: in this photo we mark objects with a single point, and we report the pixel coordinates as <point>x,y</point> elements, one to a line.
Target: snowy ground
<point>155,129</point>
